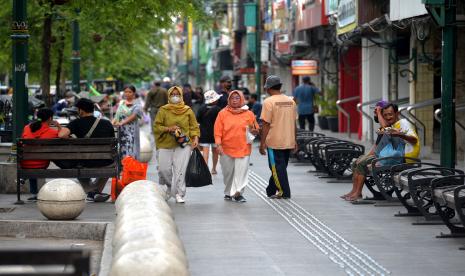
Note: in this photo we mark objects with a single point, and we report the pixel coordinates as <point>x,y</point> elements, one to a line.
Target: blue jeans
<point>33,186</point>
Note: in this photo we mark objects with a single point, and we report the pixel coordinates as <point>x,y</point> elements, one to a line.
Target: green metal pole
<point>448,89</point>
<point>20,37</point>
<point>258,62</point>
<point>76,57</point>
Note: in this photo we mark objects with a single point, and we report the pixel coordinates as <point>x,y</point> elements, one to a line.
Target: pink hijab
<point>242,102</point>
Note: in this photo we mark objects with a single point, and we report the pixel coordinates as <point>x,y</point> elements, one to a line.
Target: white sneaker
<point>180,199</point>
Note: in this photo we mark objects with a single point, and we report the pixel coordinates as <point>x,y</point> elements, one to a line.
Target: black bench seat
<point>414,190</point>
<point>449,200</point>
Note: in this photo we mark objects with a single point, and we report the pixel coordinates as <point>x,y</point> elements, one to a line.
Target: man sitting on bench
<point>87,126</point>
<point>388,115</point>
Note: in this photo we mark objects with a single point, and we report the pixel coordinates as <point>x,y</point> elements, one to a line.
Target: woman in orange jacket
<point>39,129</point>
<point>231,129</point>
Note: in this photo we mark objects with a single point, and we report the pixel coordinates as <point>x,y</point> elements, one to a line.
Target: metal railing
<point>343,111</point>
<point>459,107</point>
<point>368,116</point>
<point>417,121</point>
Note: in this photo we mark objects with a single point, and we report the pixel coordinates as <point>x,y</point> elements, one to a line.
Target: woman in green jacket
<point>176,134</point>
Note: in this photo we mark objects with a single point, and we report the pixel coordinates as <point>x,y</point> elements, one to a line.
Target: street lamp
<point>20,37</point>
<point>76,56</point>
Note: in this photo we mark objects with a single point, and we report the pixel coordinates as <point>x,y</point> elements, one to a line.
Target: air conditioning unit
<point>284,38</point>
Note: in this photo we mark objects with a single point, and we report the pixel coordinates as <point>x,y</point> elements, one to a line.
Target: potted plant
<point>329,109</point>
<point>321,118</point>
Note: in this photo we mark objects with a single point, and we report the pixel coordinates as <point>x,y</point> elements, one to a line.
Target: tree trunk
<point>61,49</point>
<point>46,64</point>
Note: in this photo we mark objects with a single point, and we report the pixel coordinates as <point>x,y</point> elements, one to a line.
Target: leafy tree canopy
<point>119,38</point>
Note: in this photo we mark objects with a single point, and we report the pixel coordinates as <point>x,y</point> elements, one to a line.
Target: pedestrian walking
<point>206,118</point>
<point>187,94</point>
<point>225,88</point>
<point>278,136</point>
<point>176,134</point>
<point>255,106</point>
<point>156,98</point>
<point>39,129</point>
<point>166,83</point>
<point>304,95</point>
<point>231,127</point>
<point>197,99</point>
<point>126,118</point>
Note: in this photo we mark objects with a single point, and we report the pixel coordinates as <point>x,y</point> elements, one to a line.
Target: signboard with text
<point>346,16</point>
<point>304,67</point>
<point>331,6</point>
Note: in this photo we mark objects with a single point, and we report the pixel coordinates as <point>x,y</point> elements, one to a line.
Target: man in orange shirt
<point>278,136</point>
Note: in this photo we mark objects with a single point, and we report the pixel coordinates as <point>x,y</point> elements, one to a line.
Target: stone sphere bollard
<point>146,150</point>
<point>61,199</point>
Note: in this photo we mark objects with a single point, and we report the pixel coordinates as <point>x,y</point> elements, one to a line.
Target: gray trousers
<point>235,174</point>
<point>172,165</point>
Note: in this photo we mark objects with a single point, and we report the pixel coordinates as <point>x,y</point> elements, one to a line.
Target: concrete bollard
<point>153,261</point>
<point>61,199</point>
<point>146,240</point>
<point>146,149</point>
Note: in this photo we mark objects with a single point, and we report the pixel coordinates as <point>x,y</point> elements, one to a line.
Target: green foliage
<point>119,38</point>
<point>328,102</point>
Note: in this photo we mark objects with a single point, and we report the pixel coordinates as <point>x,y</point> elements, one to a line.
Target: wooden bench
<point>86,149</point>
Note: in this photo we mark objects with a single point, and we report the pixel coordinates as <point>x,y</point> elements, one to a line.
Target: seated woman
<point>39,129</point>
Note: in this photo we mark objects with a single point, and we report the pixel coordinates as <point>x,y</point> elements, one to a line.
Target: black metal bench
<point>67,149</point>
<point>303,138</point>
<point>330,155</point>
<point>413,188</point>
<point>338,157</point>
<point>449,201</point>
<point>380,180</point>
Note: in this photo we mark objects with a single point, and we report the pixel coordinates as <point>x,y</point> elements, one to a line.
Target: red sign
<point>304,67</point>
<point>310,14</point>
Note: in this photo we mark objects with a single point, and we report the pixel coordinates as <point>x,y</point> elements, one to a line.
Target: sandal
<point>214,172</point>
<point>353,198</point>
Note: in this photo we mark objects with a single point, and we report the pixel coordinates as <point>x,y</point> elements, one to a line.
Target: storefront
<point>350,66</point>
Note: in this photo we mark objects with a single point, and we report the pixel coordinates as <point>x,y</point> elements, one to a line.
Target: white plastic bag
<point>249,136</point>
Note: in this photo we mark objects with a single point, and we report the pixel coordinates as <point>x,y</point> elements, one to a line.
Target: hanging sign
<point>346,16</point>
<point>331,6</point>
<point>304,67</point>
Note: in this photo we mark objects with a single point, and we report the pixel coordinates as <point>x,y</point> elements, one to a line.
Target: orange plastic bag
<point>133,170</point>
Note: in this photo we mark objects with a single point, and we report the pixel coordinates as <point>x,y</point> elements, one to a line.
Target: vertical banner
<point>189,40</point>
